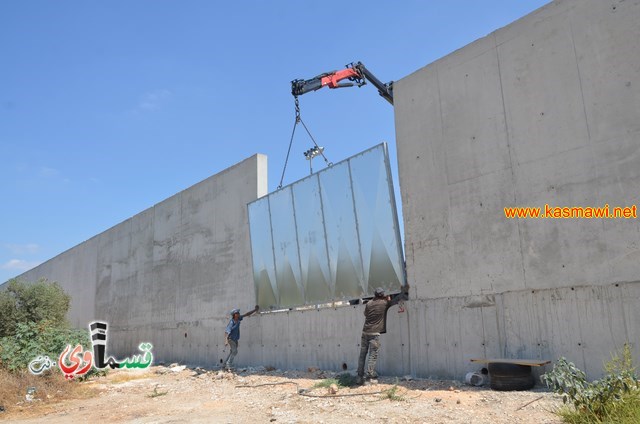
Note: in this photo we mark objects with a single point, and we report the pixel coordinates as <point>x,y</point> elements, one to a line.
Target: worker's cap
<point>379,291</point>
<point>235,311</point>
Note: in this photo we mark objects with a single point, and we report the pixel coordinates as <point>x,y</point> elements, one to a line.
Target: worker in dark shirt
<point>375,323</point>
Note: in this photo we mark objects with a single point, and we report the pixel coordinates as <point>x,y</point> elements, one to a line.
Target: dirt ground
<point>178,394</point>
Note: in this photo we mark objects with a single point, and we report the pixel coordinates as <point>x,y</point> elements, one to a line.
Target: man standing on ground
<point>232,335</point>
<point>375,323</point>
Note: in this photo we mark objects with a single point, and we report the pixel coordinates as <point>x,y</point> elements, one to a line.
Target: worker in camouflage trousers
<point>375,324</point>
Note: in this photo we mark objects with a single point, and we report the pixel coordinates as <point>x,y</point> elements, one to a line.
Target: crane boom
<point>355,72</point>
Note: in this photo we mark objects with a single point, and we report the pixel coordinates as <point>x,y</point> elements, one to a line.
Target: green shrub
<point>33,339</point>
<point>615,398</point>
<point>33,323</point>
<point>21,302</point>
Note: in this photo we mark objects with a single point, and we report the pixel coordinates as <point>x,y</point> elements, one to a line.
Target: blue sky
<point>107,108</point>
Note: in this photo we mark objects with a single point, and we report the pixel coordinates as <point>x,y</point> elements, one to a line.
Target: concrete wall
<point>545,110</point>
<point>75,270</point>
<point>170,274</point>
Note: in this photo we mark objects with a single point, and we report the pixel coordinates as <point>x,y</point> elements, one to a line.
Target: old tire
<point>508,377</point>
<point>502,383</point>
<point>508,370</point>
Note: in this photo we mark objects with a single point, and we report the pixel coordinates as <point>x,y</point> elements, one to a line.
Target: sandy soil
<point>175,395</point>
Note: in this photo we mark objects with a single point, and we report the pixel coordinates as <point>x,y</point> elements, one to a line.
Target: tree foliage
<point>22,302</point>
<point>33,339</point>
<point>33,322</point>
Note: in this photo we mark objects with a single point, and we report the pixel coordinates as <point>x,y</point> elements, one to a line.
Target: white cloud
<point>19,249</point>
<point>52,174</point>
<point>152,100</point>
<point>19,265</point>
<point>47,172</point>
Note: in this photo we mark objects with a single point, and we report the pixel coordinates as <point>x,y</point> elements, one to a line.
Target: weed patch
<point>613,399</point>
<point>392,394</point>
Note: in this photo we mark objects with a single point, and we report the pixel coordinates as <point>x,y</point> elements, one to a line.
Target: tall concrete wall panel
<point>75,271</point>
<point>170,274</point>
<point>183,265</point>
<point>544,111</point>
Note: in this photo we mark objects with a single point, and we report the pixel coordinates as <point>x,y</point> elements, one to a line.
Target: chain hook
<point>295,124</point>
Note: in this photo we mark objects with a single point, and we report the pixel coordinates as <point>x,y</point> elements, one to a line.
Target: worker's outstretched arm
<point>404,295</point>
<point>251,312</point>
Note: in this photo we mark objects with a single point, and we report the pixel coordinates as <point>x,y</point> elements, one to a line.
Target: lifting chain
<point>293,132</point>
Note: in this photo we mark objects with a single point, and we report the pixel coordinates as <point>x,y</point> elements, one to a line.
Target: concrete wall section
<point>324,338</point>
<point>170,274</point>
<point>439,337</point>
<point>544,111</point>
<point>182,266</point>
<point>75,271</point>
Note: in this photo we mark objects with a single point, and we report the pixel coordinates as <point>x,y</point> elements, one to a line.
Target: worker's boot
<point>370,380</point>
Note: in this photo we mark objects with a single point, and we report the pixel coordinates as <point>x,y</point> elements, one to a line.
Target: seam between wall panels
<point>513,177</point>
